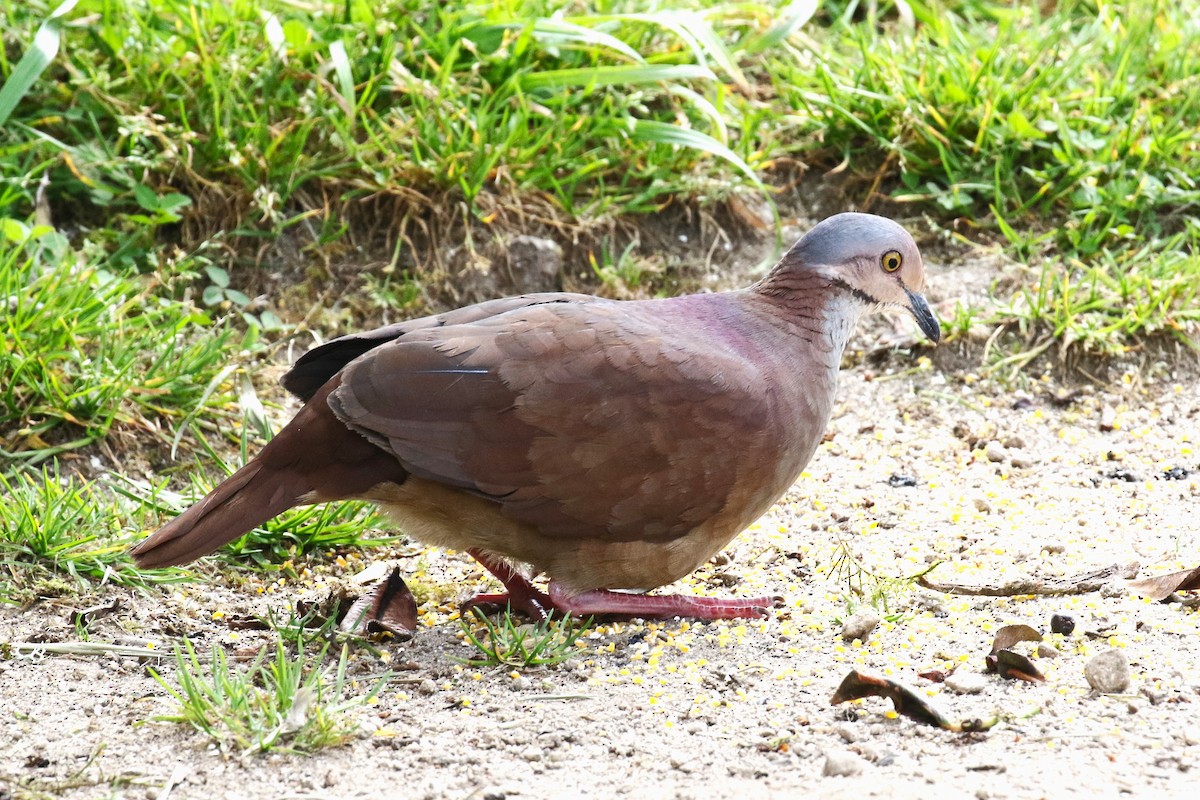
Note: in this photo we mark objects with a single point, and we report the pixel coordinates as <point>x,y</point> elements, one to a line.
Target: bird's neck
<point>814,307</point>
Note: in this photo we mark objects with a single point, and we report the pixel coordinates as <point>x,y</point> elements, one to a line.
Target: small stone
<point>1054,548</point>
<point>681,764</point>
<point>1108,672</point>
<point>521,684</point>
<point>1108,419</point>
<point>995,452</point>
<point>427,686</point>
<point>842,763</point>
<point>1021,462</point>
<point>982,505</point>
<point>1062,623</point>
<point>1047,650</point>
<point>966,682</point>
<point>933,604</point>
<point>1014,442</point>
<point>860,625</point>
<point>850,733</point>
<point>1155,696</point>
<point>532,753</point>
<point>1112,589</point>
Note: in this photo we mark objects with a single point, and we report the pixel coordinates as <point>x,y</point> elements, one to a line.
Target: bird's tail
<point>246,499</point>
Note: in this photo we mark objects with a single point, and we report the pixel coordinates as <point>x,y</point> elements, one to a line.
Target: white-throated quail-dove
<point>609,445</point>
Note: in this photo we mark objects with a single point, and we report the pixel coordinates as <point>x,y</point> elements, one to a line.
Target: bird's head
<point>872,258</point>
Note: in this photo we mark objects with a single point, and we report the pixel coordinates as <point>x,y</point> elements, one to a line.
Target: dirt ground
<point>1039,479</point>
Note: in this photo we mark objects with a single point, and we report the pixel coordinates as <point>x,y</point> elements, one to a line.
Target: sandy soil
<point>1010,482</point>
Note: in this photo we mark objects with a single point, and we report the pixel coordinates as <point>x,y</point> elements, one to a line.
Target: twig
<point>82,649</point>
<point>177,777</point>
<point>1081,583</point>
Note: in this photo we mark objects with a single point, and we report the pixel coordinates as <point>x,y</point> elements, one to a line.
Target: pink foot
<point>525,597</point>
<point>521,596</point>
<point>602,602</point>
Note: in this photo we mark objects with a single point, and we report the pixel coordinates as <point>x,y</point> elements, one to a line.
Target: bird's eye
<point>891,260</point>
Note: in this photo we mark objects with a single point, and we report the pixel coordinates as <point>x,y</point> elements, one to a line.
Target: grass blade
<point>645,130</point>
<point>790,20</point>
<point>345,78</point>
<point>34,62</point>
<point>621,75</point>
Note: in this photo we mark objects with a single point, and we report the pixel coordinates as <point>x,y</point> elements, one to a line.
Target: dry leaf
<point>1013,666</point>
<point>388,608</point>
<point>1009,635</point>
<point>906,701</point>
<point>1008,664</point>
<point>1160,587</point>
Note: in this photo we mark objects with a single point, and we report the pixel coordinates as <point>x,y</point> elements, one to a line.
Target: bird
<point>611,446</point>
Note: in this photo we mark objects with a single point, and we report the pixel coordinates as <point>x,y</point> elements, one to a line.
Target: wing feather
<point>597,419</point>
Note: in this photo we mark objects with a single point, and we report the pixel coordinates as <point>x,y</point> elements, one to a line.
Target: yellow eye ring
<point>891,260</point>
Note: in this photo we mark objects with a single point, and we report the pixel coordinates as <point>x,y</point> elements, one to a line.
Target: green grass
<point>506,642</point>
<point>1072,137</point>
<point>87,348</point>
<point>60,533</point>
<point>290,702</point>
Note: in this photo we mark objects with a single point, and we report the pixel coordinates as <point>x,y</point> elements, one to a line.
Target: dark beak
<point>926,321</point>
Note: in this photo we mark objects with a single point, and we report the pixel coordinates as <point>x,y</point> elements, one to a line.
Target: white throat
<point>842,314</point>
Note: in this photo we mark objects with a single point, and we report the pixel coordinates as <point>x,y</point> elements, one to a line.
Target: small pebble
<point>1108,419</point>
<point>842,763</point>
<point>966,682</point>
<point>1108,672</point>
<point>681,764</point>
<point>1062,623</point>
<point>860,625</point>
<point>982,505</point>
<point>427,686</point>
<point>532,753</point>
<point>1021,462</point>
<point>995,452</point>
<point>1054,548</point>
<point>1112,589</point>
<point>849,732</point>
<point>1047,650</point>
<point>933,604</point>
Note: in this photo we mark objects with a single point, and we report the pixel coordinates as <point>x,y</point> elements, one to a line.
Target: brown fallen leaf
<point>389,607</point>
<point>1008,664</point>
<point>906,701</point>
<point>1009,635</point>
<point>1013,666</point>
<point>1160,587</point>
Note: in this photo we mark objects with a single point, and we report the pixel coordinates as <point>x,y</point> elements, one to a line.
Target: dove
<point>611,446</point>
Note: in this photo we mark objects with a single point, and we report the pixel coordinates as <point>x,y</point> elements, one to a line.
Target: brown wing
<point>314,368</point>
<point>597,419</point>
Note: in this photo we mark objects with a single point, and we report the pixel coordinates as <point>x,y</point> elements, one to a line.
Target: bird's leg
<point>521,595</point>
<point>525,597</point>
<point>602,602</point>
